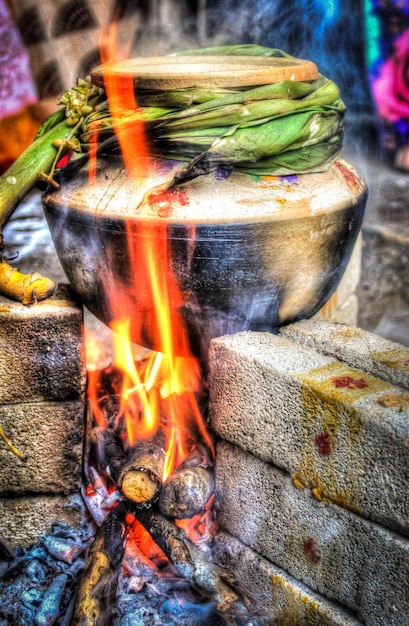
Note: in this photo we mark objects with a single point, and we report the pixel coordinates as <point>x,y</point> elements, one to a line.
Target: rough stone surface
<point>339,431</point>
<point>49,435</point>
<point>355,346</point>
<point>41,350</point>
<point>275,597</point>
<point>23,520</point>
<point>334,551</point>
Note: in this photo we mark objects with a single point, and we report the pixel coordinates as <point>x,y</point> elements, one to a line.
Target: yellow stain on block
<point>394,400</point>
<point>398,358</point>
<point>293,607</point>
<point>343,382</point>
<point>331,424</point>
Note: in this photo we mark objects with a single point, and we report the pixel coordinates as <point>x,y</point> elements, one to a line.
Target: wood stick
<point>140,477</point>
<point>187,490</point>
<point>97,590</point>
<point>195,565</point>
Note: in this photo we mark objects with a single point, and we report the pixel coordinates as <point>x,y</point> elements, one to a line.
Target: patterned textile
<point>17,88</point>
<point>63,37</point>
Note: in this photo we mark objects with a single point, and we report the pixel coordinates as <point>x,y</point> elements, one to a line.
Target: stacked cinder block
<point>42,405</point>
<point>312,472</point>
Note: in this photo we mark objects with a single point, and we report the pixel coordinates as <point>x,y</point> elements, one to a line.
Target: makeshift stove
<point>309,473</point>
<point>179,531</point>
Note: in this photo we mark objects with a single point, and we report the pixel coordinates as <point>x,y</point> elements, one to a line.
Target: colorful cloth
<point>63,37</point>
<point>387,27</point>
<point>17,88</point>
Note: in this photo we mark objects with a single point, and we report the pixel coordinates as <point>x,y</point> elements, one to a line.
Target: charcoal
<point>61,529</point>
<point>75,569</point>
<point>32,598</point>
<point>35,571</point>
<point>141,617</point>
<point>49,609</point>
<point>68,615</point>
<point>63,549</point>
<point>36,589</point>
<point>203,614</point>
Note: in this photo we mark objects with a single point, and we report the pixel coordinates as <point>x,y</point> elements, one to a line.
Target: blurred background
<point>363,45</point>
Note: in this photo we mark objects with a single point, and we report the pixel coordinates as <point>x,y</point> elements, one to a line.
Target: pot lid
<point>177,72</point>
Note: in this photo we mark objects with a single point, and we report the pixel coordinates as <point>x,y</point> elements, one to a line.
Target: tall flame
<point>159,392</point>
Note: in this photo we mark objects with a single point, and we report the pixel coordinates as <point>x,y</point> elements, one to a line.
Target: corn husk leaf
<point>249,145</point>
<point>246,49</point>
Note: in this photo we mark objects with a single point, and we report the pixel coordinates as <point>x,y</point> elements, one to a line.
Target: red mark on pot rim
<point>323,444</point>
<point>163,203</point>
<point>347,382</point>
<point>347,174</point>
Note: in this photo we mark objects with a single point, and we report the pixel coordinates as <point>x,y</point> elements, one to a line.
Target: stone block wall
<point>312,473</point>
<point>42,406</point>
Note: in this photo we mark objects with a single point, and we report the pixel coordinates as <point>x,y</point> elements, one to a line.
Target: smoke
<point>328,32</point>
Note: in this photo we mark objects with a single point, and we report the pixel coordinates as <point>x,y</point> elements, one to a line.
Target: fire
<point>158,392</point>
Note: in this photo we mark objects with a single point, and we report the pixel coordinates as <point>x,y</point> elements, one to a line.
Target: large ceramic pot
<point>247,252</point>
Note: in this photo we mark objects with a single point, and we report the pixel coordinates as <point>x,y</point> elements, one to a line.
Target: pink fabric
<point>391,89</point>
<point>17,88</point>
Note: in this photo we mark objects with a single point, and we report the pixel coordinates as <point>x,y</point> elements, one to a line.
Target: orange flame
<point>158,392</point>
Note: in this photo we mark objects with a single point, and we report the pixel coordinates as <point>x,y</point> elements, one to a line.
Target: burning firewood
<point>140,478</point>
<point>138,474</point>
<point>97,591</point>
<point>195,565</point>
<point>188,489</point>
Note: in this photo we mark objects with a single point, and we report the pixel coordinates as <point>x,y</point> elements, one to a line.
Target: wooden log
<point>187,490</point>
<point>97,590</point>
<point>140,479</point>
<point>138,472</point>
<point>196,565</point>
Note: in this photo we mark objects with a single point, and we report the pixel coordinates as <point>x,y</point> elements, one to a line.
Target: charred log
<point>196,566</point>
<point>189,488</point>
<point>137,472</point>
<point>186,492</point>
<point>140,478</point>
<point>97,590</point>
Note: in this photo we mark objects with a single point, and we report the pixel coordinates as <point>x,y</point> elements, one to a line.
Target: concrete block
<point>274,597</point>
<point>24,519</point>
<point>359,348</point>
<point>339,431</point>
<point>335,552</point>
<point>41,350</point>
<point>49,435</point>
